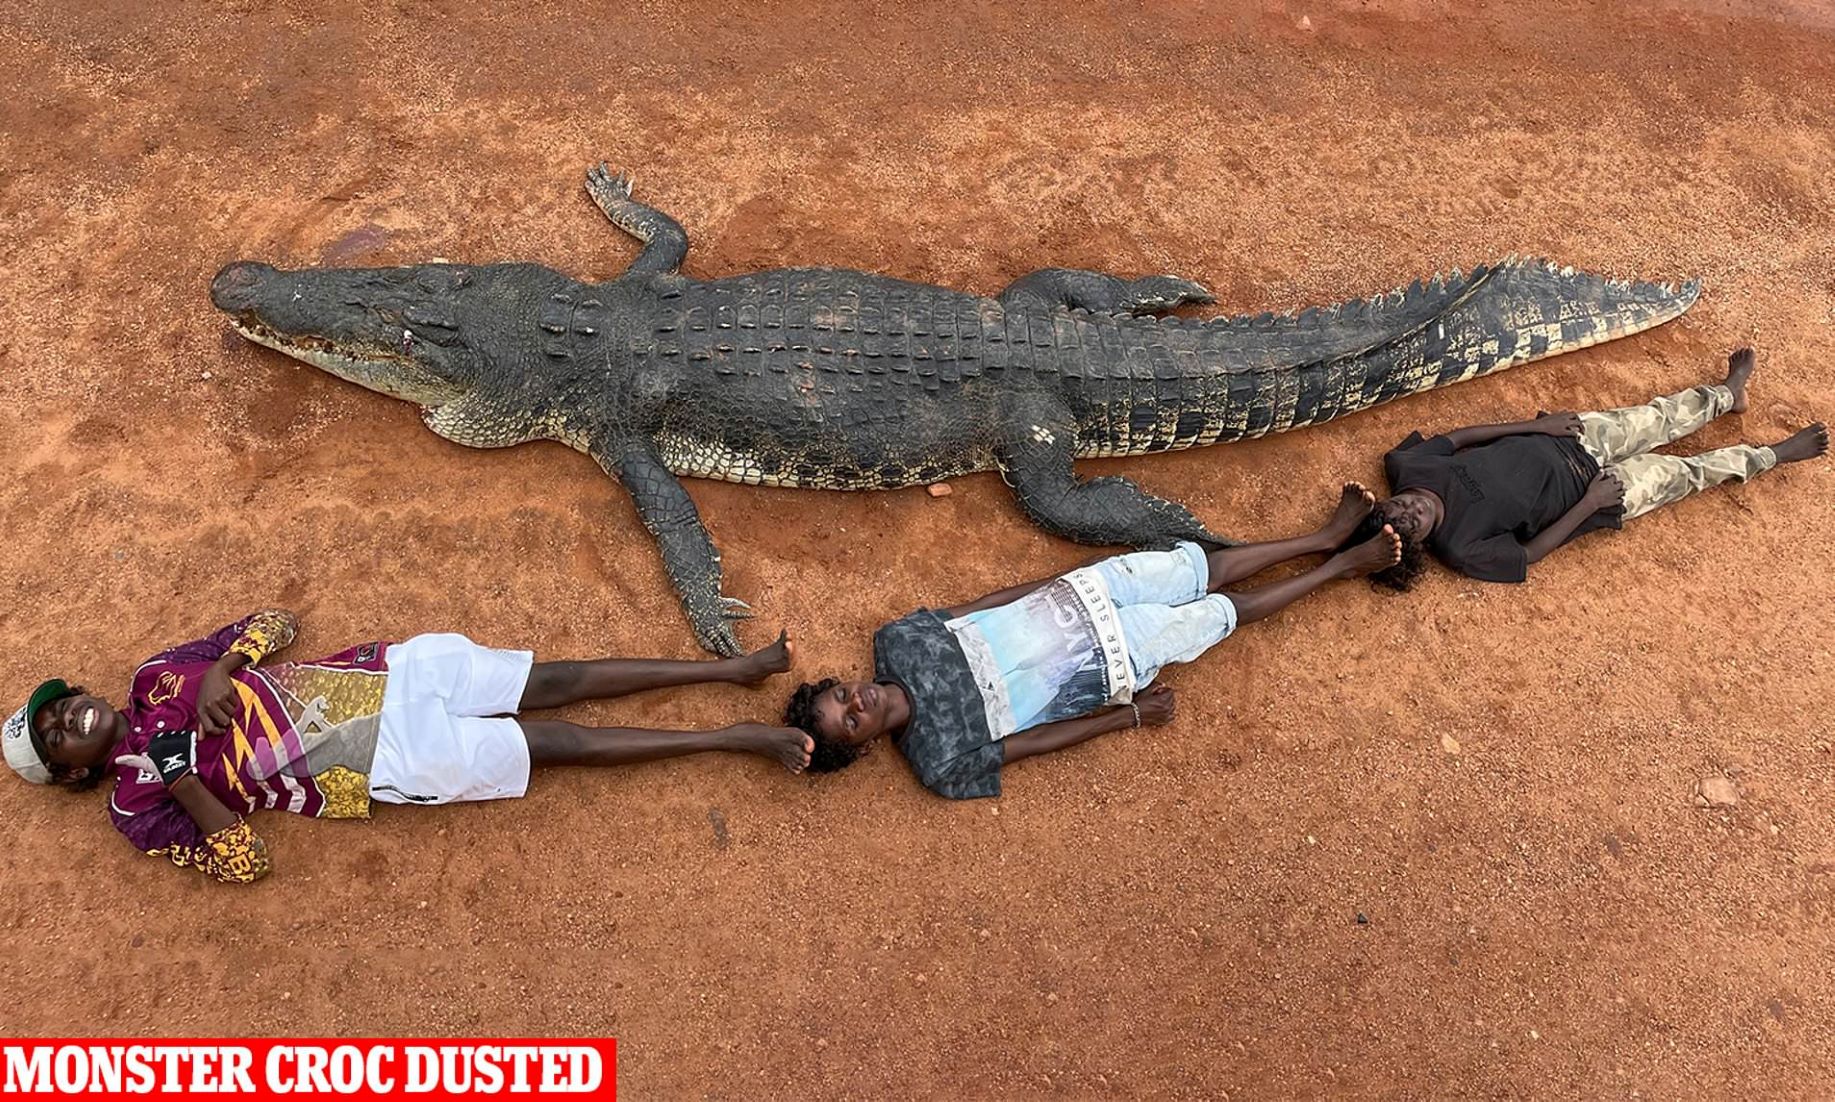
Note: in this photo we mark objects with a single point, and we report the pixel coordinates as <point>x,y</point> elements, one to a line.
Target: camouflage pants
<point>1624,439</point>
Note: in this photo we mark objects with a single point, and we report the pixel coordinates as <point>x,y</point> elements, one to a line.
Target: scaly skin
<point>838,379</point>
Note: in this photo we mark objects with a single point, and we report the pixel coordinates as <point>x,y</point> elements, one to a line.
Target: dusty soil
<point>1500,779</point>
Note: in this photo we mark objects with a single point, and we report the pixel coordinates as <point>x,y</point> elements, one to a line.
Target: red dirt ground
<point>1500,778</point>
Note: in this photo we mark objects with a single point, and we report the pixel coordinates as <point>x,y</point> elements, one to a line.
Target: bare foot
<point>1804,444</point>
<point>1354,504</point>
<point>1739,370</point>
<point>786,746</point>
<point>765,662</point>
<point>1379,552</point>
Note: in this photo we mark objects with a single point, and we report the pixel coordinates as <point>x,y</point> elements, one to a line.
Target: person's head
<point>1413,516</point>
<point>844,717</point>
<point>62,736</point>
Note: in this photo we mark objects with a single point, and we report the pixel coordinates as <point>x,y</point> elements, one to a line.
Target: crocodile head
<point>393,330</point>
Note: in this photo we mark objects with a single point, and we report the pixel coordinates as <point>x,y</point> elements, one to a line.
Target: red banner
<point>282,1069</point>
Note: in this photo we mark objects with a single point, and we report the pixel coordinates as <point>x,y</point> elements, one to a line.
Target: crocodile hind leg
<point>688,551</point>
<point>665,243</point>
<point>1106,294</point>
<point>1036,461</point>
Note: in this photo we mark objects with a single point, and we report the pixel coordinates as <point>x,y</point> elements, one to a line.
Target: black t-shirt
<point>947,741</point>
<point>1498,496</point>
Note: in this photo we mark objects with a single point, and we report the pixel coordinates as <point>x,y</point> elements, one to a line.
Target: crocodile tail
<point>1240,377</point>
<point>1507,314</point>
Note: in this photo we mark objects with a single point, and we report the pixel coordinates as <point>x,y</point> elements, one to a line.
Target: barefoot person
<point>211,734</point>
<point>1051,663</point>
<point>1490,500</point>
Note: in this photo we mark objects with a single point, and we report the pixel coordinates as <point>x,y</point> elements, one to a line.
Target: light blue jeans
<point>1166,615</point>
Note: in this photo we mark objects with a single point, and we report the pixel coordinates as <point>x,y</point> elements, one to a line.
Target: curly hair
<point>831,755</point>
<point>1402,576</point>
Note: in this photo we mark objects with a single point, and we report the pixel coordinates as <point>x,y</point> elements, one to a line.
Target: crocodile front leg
<point>688,551</point>
<point>1101,293</point>
<point>665,243</point>
<point>1036,460</point>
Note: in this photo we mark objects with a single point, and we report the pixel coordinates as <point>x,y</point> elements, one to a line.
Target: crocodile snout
<point>237,285</point>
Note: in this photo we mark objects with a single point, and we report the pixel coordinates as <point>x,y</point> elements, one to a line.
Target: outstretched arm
<point>1155,705</point>
<point>1553,424</point>
<point>1603,492</point>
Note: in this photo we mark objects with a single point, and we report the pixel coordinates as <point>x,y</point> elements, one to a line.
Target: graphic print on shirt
<point>334,716</point>
<point>1054,654</point>
<point>166,687</point>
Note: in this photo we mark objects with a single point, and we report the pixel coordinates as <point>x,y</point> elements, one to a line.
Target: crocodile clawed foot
<point>719,638</point>
<point>605,185</point>
<point>732,608</point>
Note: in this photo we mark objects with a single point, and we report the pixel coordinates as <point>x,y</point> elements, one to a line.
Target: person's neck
<point>901,709</point>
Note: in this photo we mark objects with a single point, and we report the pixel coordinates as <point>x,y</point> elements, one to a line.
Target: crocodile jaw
<point>398,378</point>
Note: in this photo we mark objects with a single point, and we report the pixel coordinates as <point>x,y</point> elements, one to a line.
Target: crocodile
<point>840,379</point>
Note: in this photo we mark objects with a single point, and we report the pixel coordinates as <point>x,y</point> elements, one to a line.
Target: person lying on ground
<point>211,733</point>
<point>1046,665</point>
<point>1490,500</point>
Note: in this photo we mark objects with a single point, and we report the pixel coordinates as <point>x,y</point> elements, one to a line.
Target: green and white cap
<point>25,752</point>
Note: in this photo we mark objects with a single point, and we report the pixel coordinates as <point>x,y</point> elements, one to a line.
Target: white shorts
<point>436,744</point>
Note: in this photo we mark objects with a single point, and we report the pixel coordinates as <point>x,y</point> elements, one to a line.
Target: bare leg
<point>552,684</point>
<point>556,742</point>
<point>1232,564</point>
<point>1739,371</point>
<point>1376,553</point>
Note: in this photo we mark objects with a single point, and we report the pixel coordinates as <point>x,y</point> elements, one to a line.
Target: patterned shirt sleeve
<point>263,633</point>
<point>234,855</point>
<point>256,635</point>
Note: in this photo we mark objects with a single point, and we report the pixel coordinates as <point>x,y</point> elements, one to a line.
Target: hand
<point>1607,490</point>
<point>217,697</point>
<point>1155,705</point>
<point>1559,424</point>
<point>172,755</point>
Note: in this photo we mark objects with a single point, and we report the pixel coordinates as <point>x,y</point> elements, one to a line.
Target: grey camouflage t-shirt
<point>947,741</point>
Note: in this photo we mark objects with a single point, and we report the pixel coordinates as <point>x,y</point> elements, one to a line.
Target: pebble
<point>938,489</point>
<point>1716,792</point>
<point>205,376</point>
<point>1449,744</point>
